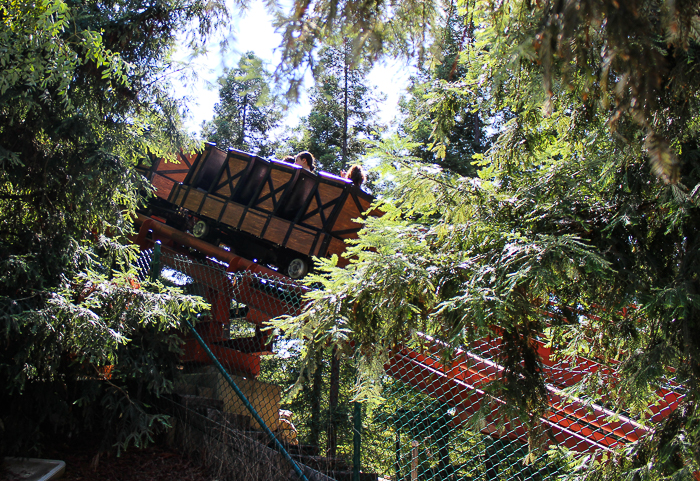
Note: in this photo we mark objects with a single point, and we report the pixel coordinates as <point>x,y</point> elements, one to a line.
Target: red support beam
<point>573,423</point>
<point>221,284</point>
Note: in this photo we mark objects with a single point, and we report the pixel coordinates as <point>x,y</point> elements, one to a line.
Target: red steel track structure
<point>461,383</point>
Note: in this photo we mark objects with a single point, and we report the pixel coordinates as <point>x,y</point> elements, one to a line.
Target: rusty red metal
<point>565,373</point>
<point>460,390</point>
<point>219,288</point>
<point>463,384</point>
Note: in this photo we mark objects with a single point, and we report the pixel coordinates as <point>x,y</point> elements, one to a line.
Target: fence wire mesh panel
<point>441,420</point>
<point>421,438</point>
<point>221,411</point>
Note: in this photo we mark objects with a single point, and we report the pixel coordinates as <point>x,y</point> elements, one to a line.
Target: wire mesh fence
<point>439,420</point>
<point>416,437</point>
<point>221,412</point>
<point>448,423</point>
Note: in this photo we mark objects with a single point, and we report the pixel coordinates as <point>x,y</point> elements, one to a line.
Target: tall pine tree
<point>248,111</point>
<point>343,111</point>
<point>83,98</point>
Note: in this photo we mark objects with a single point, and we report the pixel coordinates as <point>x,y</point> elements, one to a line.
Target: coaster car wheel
<point>297,268</point>
<point>200,229</point>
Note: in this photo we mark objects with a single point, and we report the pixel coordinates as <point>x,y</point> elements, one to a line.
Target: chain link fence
<point>231,402</point>
<point>220,411</point>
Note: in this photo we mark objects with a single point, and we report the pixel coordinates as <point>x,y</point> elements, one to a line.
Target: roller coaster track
<point>463,382</point>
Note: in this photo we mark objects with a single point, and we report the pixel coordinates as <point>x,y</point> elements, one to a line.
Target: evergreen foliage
<point>83,97</point>
<point>426,107</point>
<point>313,427</point>
<point>247,111</point>
<point>579,229</point>
<point>343,111</point>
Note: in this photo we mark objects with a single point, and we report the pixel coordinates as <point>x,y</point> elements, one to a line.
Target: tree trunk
<point>241,139</point>
<point>316,388</point>
<point>345,102</point>
<point>333,404</point>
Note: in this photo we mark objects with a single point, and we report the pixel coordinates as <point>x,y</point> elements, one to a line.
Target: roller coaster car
<point>265,210</point>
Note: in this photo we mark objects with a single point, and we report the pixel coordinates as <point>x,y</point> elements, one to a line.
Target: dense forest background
<point>546,162</point>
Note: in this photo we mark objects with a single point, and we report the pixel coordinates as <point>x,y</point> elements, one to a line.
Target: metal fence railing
<point>446,423</point>
<point>220,410</point>
<point>232,402</point>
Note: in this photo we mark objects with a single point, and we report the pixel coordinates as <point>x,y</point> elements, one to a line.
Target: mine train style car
<point>265,210</point>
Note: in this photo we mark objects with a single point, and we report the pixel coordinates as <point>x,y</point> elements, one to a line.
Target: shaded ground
<point>156,463</point>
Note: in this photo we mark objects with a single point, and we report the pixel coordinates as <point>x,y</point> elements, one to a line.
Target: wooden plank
<point>336,246</point>
<point>175,170</point>
<point>253,223</point>
<point>354,206</point>
<point>280,177</point>
<point>193,200</point>
<point>267,204</point>
<point>318,249</point>
<point>224,191</point>
<point>165,175</point>
<point>329,192</point>
<point>239,155</point>
<point>232,214</point>
<point>334,194</point>
<point>366,203</point>
<point>331,195</point>
<point>177,194</point>
<point>301,240</point>
<point>236,164</point>
<point>212,207</point>
<point>275,187</point>
<point>314,220</point>
<point>277,230</point>
<point>344,221</point>
<point>163,185</point>
<point>327,213</point>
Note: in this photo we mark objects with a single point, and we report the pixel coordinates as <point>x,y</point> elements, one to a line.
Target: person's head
<point>356,175</point>
<point>290,159</point>
<point>306,160</point>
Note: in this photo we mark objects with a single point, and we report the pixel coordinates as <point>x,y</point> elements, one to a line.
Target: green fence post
<point>356,440</point>
<point>155,262</point>
<point>246,403</point>
<point>397,447</point>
